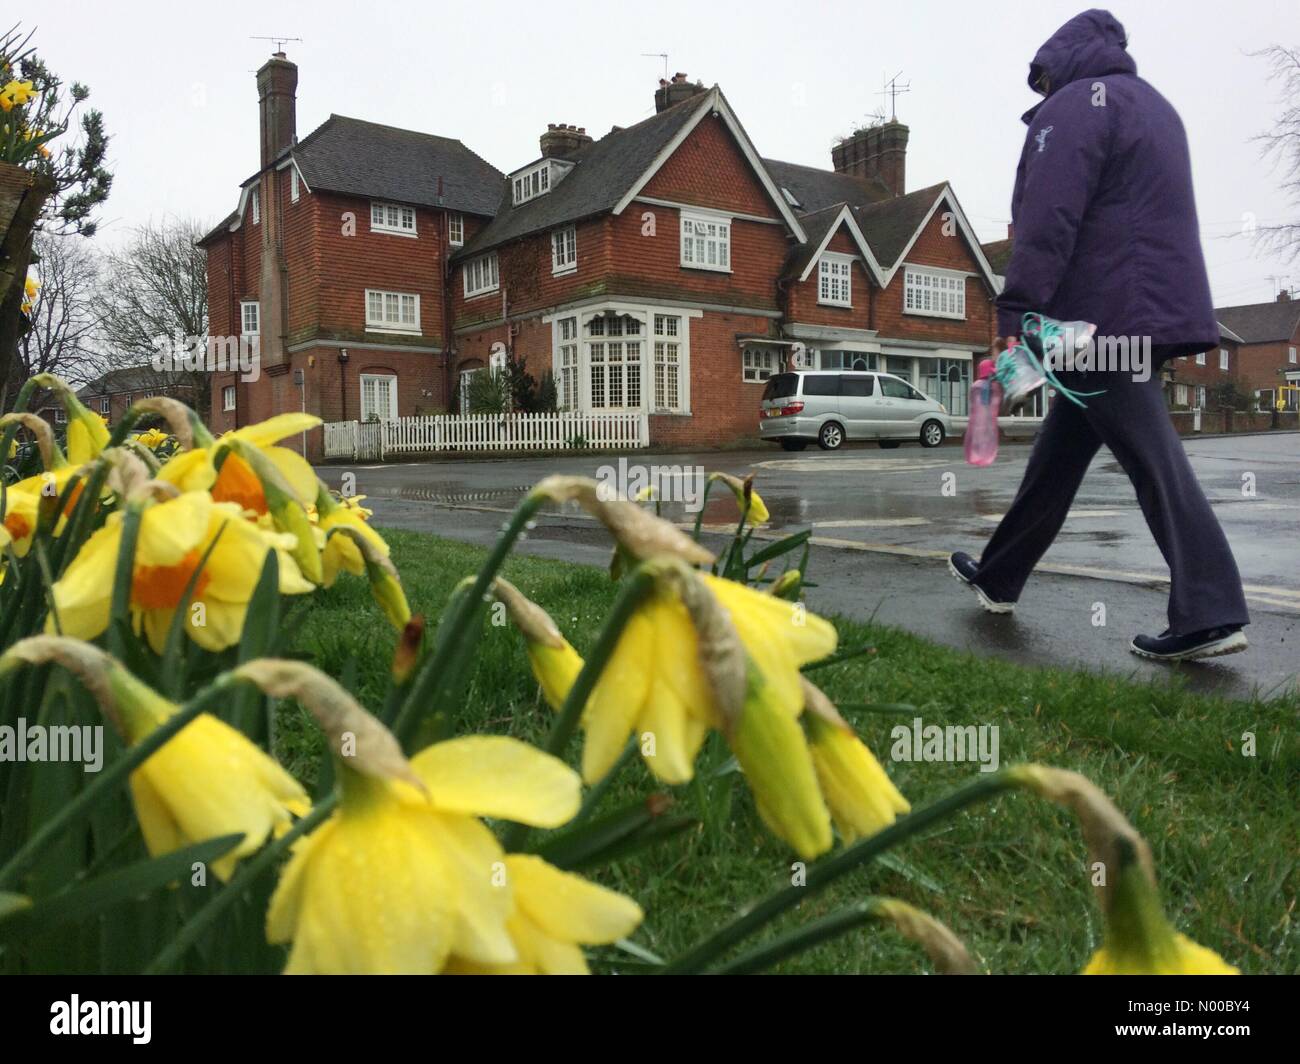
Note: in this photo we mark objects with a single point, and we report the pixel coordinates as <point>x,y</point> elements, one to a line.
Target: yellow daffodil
<point>151,438</point>
<point>401,878</point>
<point>654,684</point>
<point>174,536</point>
<point>1140,941</point>
<point>87,431</point>
<point>862,798</point>
<point>15,94</point>
<point>206,782</point>
<point>555,913</point>
<point>744,491</point>
<point>554,662</point>
<point>350,543</point>
<point>31,288</point>
<point>21,514</point>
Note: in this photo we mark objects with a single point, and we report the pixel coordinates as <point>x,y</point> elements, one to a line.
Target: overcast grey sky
<point>175,82</point>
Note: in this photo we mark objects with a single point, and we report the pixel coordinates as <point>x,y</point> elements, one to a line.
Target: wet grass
<point>1010,877</point>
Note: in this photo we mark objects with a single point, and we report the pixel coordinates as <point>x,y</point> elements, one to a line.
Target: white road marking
<point>873,522</point>
<point>861,465</point>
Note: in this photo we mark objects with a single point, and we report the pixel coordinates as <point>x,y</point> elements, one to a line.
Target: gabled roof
<point>814,190</point>
<point>1262,323</point>
<point>1227,334</point>
<point>366,159</point>
<point>998,252</point>
<point>610,172</point>
<point>132,379</point>
<point>821,226</point>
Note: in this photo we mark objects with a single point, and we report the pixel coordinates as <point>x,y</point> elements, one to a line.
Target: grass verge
<point>1010,877</point>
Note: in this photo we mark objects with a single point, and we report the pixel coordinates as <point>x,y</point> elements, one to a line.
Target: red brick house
<point>665,268</point>
<point>1268,366</point>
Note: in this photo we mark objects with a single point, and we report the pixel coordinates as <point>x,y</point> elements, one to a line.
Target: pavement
<point>883,522</point>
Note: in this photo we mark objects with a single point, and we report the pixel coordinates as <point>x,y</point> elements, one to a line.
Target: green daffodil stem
<point>123,577</point>
<point>802,938</point>
<point>249,872</point>
<point>104,782</point>
<point>458,629</point>
<point>825,872</point>
<point>633,592</point>
<point>699,515</point>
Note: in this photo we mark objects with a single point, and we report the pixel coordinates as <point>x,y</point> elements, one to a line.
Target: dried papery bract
<point>385,584</point>
<point>182,422</point>
<point>1104,826</point>
<point>359,740</point>
<point>944,948</point>
<point>721,654</point>
<point>92,666</point>
<point>533,621</point>
<point>637,530</point>
<point>40,429</point>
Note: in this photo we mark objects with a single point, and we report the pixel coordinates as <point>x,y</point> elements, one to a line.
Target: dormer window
<point>537,180</point>
<point>257,204</point>
<point>392,218</point>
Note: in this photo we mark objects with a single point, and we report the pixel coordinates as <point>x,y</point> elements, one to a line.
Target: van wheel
<point>831,437</point>
<point>793,445</point>
<point>932,434</point>
<point>889,445</point>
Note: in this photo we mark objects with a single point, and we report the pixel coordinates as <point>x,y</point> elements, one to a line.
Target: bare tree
<point>63,319</point>
<point>1282,145</point>
<point>155,291</point>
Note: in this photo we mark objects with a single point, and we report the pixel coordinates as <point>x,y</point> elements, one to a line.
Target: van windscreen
<point>781,386</point>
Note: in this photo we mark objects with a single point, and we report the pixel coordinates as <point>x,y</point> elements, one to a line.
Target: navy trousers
<point>1131,419</point>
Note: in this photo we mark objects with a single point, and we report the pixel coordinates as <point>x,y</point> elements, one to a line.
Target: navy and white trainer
<point>1210,643</point>
<point>965,569</point>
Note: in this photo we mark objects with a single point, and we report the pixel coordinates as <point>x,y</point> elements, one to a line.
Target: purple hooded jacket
<point>1104,217</point>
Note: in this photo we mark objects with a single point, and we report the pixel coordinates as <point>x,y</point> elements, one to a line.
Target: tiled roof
<point>998,252</point>
<point>382,162</point>
<point>1262,323</point>
<point>131,379</point>
<point>815,190</point>
<point>603,172</point>
<point>890,224</point>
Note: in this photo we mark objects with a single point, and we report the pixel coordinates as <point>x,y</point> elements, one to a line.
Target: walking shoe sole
<point>989,605</point>
<point>1233,644</point>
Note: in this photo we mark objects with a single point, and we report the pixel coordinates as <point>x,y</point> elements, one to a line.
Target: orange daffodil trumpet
<point>28,499</point>
<point>1138,939</point>
<point>405,878</point>
<point>186,537</point>
<point>205,782</point>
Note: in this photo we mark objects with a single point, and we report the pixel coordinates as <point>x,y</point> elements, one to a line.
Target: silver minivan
<point>829,408</point>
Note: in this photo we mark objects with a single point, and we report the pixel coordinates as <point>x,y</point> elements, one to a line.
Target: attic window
<point>933,292</point>
<point>392,218</point>
<point>533,182</point>
<point>293,184</point>
<point>455,229</point>
<point>257,204</point>
<point>835,280</point>
<point>789,198</point>
<point>706,242</point>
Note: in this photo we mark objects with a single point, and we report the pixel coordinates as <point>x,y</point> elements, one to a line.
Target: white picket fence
<point>435,433</point>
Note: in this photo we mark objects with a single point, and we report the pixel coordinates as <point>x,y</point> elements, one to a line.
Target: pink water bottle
<point>982,426</point>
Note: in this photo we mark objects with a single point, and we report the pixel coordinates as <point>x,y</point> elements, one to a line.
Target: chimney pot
<point>562,139</point>
<point>675,91</point>
<point>277,86</point>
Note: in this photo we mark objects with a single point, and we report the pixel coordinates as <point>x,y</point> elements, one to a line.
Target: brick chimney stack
<point>277,87</point>
<point>878,151</point>
<point>561,141</point>
<point>1284,296</point>
<point>675,91</point>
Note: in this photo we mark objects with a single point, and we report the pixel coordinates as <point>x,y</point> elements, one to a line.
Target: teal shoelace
<point>1047,329</point>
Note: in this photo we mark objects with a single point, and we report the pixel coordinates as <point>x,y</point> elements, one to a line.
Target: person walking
<point>1105,231</point>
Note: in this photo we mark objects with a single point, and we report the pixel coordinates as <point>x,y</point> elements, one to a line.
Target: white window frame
<point>705,241</point>
<point>933,292</point>
<point>1200,359</point>
<point>835,280</point>
<point>482,275</point>
<point>758,362</point>
<point>1223,359</point>
<point>293,183</point>
<point>61,415</point>
<point>668,353</point>
<point>616,344</point>
<point>385,301</point>
<point>245,307</point>
<point>455,229</point>
<point>531,183</point>
<point>1180,395</point>
<point>393,218</point>
<point>228,399</point>
<point>105,405</point>
<point>565,363</point>
<point>564,250</point>
<point>257,204</point>
<point>389,381</point>
<point>1291,355</point>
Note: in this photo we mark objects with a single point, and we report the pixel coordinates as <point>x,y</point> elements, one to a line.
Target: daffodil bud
<point>356,738</point>
<point>554,662</point>
<point>787,586</point>
<point>640,532</point>
<point>945,949</point>
<point>750,502</point>
<point>87,433</point>
<point>407,653</point>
